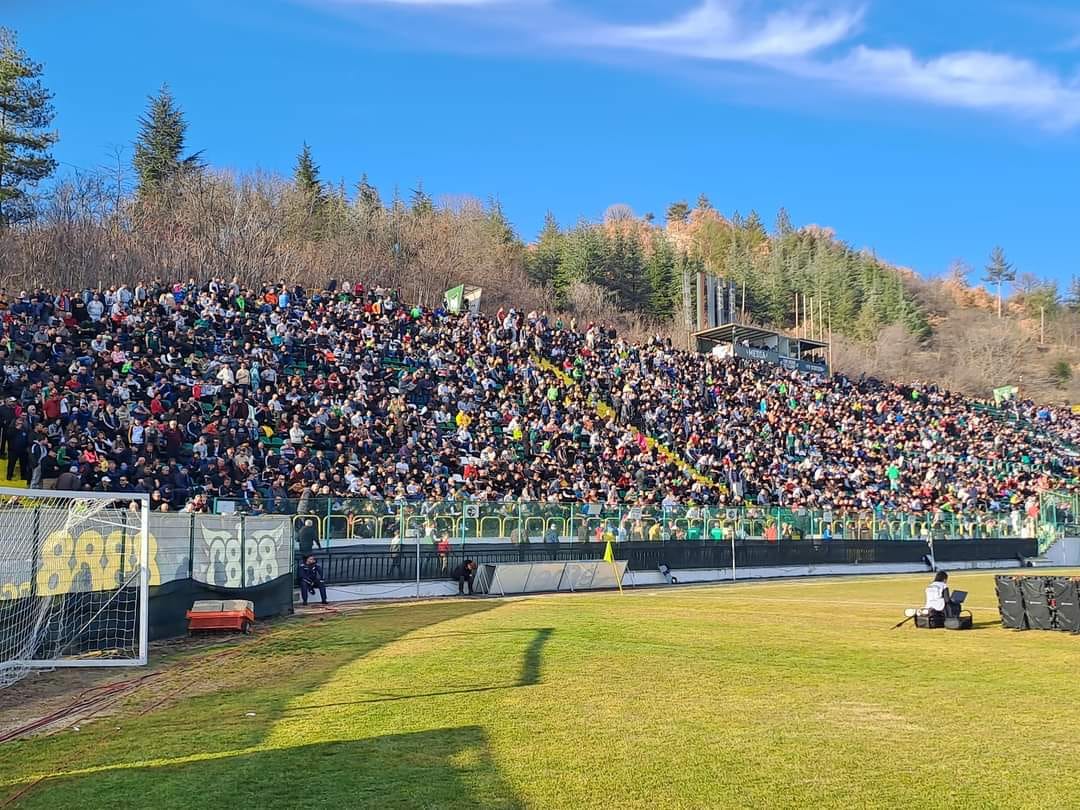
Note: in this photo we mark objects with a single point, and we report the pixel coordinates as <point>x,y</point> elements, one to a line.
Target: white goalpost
<point>74,580</point>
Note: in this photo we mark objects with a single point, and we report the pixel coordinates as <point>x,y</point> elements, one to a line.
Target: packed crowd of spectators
<point>202,391</point>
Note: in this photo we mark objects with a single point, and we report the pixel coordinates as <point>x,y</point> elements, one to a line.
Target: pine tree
<point>1073,297</point>
<point>754,229</point>
<point>25,115</point>
<point>421,204</point>
<point>499,225</point>
<point>306,174</point>
<point>678,211</point>
<point>162,132</point>
<point>999,271</point>
<point>542,263</point>
<point>367,196</point>
<point>783,223</point>
<point>660,274</point>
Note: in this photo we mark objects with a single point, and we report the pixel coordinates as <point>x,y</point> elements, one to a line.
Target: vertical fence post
<point>733,555</point>
<point>243,554</point>
<point>35,562</point>
<point>401,534</point>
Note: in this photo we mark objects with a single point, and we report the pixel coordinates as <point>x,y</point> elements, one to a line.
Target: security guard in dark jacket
<point>311,579</point>
<point>462,574</point>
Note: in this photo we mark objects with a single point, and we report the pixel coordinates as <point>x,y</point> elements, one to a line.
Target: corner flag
<point>609,557</point>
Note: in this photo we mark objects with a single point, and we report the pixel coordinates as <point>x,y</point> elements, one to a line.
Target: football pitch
<point>777,694</point>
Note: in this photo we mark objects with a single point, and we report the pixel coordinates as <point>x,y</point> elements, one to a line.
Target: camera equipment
<point>1039,602</point>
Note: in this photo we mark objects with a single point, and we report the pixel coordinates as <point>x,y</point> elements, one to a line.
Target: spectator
<point>463,574</point>
<point>308,537</point>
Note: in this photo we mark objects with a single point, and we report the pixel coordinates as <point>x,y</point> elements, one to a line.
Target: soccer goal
<point>74,580</point>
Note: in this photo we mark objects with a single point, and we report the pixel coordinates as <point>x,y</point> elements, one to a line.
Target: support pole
<point>144,579</point>
<point>732,555</point>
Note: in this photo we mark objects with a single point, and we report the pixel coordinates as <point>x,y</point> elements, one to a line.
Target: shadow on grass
<point>529,675</point>
<point>258,687</point>
<point>530,665</point>
<point>443,768</point>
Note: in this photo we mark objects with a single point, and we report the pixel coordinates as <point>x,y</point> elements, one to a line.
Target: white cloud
<point>978,80</point>
<point>798,40</point>
<point>717,30</point>
<point>811,45</point>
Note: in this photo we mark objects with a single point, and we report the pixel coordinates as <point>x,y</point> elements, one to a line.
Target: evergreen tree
<point>367,196</point>
<point>999,271</point>
<point>783,223</point>
<point>1073,298</point>
<point>584,258</point>
<point>158,148</point>
<point>755,231</point>
<point>660,274</point>
<point>542,263</point>
<point>678,211</point>
<point>306,174</point>
<point>421,204</point>
<point>25,115</point>
<point>499,225</point>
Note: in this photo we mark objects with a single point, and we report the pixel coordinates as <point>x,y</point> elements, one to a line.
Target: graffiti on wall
<point>210,551</point>
<point>79,563</point>
<point>231,559</point>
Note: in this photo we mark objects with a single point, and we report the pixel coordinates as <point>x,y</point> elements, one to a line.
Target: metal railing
<point>343,521</point>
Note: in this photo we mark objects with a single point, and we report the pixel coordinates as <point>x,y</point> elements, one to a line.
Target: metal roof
<point>737,332</point>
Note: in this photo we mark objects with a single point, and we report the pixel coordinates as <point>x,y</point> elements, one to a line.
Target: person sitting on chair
<point>311,579</point>
<point>464,573</point>
<point>937,595</point>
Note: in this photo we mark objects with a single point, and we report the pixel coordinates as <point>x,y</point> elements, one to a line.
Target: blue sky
<point>926,131</point>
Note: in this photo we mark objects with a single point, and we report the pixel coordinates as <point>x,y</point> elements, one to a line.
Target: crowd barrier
<point>419,562</point>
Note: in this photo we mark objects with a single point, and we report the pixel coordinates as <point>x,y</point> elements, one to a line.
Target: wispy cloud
<point>716,30</point>
<point>800,40</point>
<point>819,46</point>
<point>979,80</point>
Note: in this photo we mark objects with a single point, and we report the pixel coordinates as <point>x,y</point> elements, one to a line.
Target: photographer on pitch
<point>937,596</point>
<point>311,579</point>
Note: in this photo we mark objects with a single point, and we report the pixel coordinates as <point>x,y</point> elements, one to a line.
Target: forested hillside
<point>161,210</point>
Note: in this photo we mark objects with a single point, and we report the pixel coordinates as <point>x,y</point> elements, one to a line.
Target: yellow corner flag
<point>609,557</point>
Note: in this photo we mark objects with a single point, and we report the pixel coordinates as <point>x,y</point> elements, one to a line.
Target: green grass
<point>756,695</point>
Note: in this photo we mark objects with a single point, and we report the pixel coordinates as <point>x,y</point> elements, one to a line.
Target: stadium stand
<point>203,391</point>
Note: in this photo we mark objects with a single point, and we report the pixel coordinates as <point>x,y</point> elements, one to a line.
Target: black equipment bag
<point>929,620</point>
<point>1010,602</point>
<point>1065,600</point>
<point>1036,606</point>
<point>962,621</point>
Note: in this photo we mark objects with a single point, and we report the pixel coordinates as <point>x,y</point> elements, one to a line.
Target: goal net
<point>74,587</point>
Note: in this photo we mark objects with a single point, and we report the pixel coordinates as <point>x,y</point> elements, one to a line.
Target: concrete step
<point>1039,562</point>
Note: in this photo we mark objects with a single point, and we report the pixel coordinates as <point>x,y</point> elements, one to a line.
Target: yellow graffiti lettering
<point>54,569</point>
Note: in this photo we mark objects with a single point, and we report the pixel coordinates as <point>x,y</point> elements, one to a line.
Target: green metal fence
<point>343,519</point>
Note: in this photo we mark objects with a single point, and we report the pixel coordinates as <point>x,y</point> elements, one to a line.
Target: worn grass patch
<point>756,695</point>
